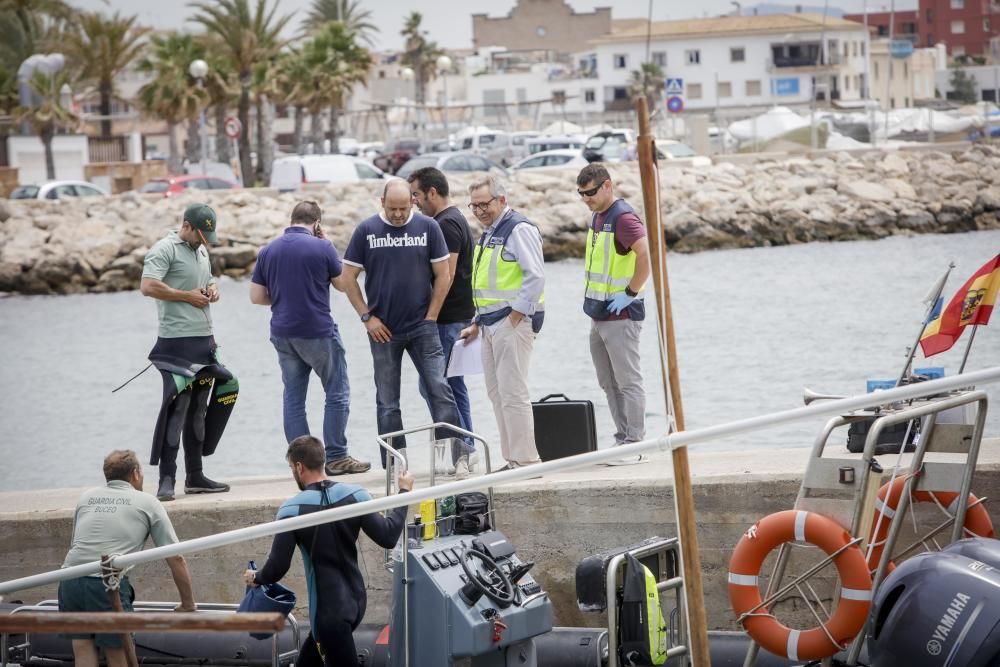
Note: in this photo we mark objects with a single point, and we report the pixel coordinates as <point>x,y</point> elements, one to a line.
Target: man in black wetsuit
<point>337,596</point>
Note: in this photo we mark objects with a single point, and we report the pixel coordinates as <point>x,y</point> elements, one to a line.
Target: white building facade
<point>736,61</point>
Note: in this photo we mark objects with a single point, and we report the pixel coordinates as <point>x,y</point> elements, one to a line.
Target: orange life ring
<point>855,593</point>
<point>977,519</point>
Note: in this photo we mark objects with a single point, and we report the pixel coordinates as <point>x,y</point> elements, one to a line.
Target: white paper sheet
<point>466,359</point>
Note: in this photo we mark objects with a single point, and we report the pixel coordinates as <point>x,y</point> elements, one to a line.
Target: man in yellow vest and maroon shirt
<point>616,266</point>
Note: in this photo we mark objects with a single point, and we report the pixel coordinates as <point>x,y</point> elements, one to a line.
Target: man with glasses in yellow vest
<point>508,281</point>
<point>616,268</point>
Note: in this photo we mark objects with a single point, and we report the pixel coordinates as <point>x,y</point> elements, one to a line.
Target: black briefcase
<point>563,427</point>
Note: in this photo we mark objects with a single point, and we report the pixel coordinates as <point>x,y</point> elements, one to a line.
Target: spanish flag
<point>973,304</point>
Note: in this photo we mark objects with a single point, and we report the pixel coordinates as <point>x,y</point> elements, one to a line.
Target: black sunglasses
<point>592,191</point>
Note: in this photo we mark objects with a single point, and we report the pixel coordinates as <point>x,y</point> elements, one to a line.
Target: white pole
<point>889,68</point>
<point>662,443</point>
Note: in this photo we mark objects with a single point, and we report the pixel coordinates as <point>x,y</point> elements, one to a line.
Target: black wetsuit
<point>337,596</point>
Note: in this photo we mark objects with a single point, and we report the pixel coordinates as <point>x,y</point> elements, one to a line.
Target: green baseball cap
<point>202,218</point>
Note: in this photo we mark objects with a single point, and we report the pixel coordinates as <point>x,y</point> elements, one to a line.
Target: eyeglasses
<point>481,206</point>
<point>592,191</point>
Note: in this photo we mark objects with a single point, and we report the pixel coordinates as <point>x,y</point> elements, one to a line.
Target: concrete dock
<point>555,521</point>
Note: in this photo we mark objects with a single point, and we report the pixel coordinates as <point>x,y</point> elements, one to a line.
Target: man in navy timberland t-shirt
<point>405,259</point>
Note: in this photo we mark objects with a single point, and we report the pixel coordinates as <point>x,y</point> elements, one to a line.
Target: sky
<point>449,22</point>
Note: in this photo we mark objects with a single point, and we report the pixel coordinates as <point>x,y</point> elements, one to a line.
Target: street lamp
<point>443,65</point>
<point>198,69</point>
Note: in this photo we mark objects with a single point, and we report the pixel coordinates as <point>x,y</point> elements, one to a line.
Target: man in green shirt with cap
<point>198,392</point>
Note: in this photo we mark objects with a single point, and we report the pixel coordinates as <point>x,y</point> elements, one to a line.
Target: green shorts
<point>88,594</point>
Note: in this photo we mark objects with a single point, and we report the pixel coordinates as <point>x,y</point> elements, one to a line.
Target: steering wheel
<point>494,583</point>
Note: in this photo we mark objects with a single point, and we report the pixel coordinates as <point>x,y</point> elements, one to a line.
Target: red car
<point>172,185</point>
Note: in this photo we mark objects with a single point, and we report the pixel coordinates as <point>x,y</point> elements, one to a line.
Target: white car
<point>290,172</point>
<point>58,190</point>
<point>560,158</point>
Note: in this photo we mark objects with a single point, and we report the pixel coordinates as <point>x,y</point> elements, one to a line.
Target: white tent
<point>562,127</point>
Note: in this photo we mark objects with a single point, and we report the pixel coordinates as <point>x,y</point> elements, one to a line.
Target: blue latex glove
<point>619,301</point>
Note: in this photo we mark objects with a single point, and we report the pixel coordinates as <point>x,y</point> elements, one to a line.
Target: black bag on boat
<point>889,440</point>
<point>472,513</point>
<point>642,631</point>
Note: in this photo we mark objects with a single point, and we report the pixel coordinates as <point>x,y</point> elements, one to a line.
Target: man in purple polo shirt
<point>293,276</point>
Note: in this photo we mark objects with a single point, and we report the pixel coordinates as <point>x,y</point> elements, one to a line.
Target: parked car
<point>608,145</point>
<point>58,190</point>
<point>211,168</point>
<point>492,144</point>
<point>557,159</point>
<point>460,161</point>
<point>443,146</point>
<point>397,155</point>
<point>553,142</point>
<point>519,146</point>
<point>675,150</point>
<point>173,185</point>
<point>290,172</point>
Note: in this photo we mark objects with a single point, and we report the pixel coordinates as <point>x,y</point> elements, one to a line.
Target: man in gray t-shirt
<point>199,393</point>
<point>115,519</point>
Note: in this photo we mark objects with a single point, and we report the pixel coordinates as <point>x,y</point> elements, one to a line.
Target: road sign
<point>232,127</point>
<point>675,104</point>
<point>674,86</point>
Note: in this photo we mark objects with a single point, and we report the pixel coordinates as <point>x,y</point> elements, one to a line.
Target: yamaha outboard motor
<point>940,609</point>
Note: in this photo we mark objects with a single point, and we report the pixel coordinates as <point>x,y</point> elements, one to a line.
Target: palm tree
<point>30,26</point>
<point>265,89</point>
<point>647,81</point>
<point>173,94</point>
<point>294,85</point>
<point>246,37</point>
<point>335,54</point>
<point>419,54</point>
<point>50,115</point>
<point>102,47</point>
<point>222,92</point>
<point>348,12</point>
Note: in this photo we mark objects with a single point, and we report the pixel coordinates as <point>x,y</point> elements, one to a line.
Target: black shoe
<point>201,484</point>
<point>166,490</point>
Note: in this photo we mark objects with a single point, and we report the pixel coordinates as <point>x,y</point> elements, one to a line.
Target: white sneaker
<point>462,467</point>
<point>627,461</point>
<point>472,458</point>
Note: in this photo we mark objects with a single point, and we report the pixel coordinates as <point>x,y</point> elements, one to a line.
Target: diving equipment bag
<point>642,629</point>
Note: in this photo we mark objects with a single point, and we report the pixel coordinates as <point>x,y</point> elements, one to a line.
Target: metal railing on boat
<point>507,477</point>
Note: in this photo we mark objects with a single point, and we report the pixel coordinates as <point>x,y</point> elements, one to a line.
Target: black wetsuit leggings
<point>336,647</point>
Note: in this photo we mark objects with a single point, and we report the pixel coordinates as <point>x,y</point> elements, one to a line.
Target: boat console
<point>466,596</point>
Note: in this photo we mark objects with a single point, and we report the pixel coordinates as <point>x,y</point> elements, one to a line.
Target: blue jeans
<point>423,345</point>
<point>448,333</point>
<point>297,358</point>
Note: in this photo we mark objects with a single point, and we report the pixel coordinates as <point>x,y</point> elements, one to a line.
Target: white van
<point>290,172</point>
<point>554,143</point>
<point>492,144</point>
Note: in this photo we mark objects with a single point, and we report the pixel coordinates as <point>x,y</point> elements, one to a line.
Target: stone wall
<point>125,176</point>
<point>8,181</point>
<point>98,244</point>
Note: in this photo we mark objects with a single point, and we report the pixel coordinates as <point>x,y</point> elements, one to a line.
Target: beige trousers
<point>506,358</point>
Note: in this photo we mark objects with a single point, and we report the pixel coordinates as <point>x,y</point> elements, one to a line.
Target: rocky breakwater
<point>98,244</point>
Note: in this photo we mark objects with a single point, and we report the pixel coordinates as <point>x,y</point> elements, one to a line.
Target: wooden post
<point>683,495</point>
<point>128,646</point>
<point>103,622</point>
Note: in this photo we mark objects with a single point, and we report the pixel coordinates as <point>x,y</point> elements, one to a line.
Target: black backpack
<point>471,513</point>
<point>642,630</point>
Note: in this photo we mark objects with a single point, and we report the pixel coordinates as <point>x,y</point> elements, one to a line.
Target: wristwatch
<point>366,316</point>
<point>628,291</point>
